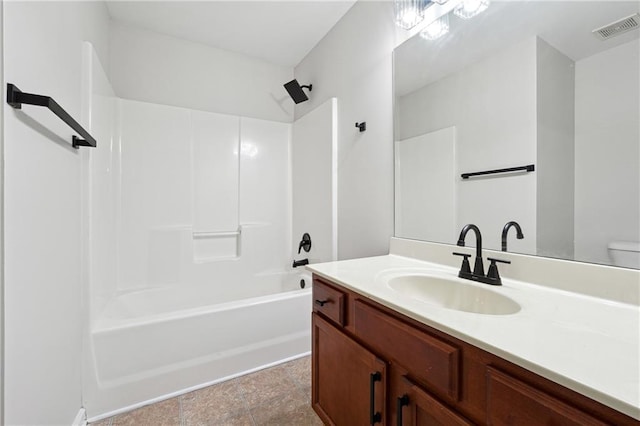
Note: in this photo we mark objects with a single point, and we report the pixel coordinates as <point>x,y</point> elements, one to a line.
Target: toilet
<point>625,253</point>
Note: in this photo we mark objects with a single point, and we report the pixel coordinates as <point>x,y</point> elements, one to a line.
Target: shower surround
<point>189,249</point>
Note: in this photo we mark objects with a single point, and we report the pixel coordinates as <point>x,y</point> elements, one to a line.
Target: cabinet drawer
<point>513,402</point>
<point>429,359</point>
<point>328,301</point>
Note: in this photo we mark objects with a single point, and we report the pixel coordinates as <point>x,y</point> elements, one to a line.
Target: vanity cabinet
<point>512,401</point>
<point>373,365</point>
<point>349,382</point>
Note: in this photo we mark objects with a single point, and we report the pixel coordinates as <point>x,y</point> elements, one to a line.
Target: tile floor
<point>279,396</point>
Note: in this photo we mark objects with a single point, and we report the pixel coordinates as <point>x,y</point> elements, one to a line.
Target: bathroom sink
<point>452,293</point>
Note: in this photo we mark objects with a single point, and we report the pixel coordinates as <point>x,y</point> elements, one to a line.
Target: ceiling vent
<point>616,28</point>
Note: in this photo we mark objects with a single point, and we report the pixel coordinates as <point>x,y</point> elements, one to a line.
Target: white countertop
<point>588,344</point>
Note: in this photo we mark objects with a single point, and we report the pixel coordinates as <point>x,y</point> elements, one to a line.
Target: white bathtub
<point>152,344</point>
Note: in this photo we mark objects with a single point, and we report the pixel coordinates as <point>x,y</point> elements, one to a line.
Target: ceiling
<point>566,25</point>
<point>279,32</point>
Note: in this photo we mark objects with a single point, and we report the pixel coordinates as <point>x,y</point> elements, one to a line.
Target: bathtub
<point>156,343</point>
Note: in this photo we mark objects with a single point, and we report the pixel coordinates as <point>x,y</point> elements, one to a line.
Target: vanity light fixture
<point>409,13</point>
<point>470,8</point>
<point>436,29</point>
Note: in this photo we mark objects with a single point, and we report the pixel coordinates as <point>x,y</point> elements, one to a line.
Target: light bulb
<point>409,13</point>
<point>436,29</point>
<point>470,8</point>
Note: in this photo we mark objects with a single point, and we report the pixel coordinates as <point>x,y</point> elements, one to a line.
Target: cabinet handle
<point>402,401</point>
<point>374,416</point>
<point>322,302</point>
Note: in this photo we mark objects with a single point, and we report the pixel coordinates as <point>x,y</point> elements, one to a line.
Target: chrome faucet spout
<point>505,230</point>
<point>478,268</point>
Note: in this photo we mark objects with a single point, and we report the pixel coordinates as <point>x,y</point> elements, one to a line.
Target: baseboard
<point>81,418</point>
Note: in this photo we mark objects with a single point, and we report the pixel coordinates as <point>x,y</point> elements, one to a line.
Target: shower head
<point>295,91</point>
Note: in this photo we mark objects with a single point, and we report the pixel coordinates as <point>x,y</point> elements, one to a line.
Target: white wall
<point>156,68</point>
<point>265,196</point>
<point>555,152</point>
<point>492,104</point>
<point>2,92</point>
<point>155,192</point>
<point>100,197</point>
<point>42,210</point>
<point>163,155</point>
<point>166,154</point>
<point>314,182</point>
<point>425,186</point>
<point>353,63</point>
<point>607,151</point>
<point>215,171</point>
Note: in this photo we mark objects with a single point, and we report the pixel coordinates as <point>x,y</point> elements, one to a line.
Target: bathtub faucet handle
<point>305,243</point>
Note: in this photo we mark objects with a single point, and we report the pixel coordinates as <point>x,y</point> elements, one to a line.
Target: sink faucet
<point>505,230</point>
<point>492,277</point>
<point>478,267</point>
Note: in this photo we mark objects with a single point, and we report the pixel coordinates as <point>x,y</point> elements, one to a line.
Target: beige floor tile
<point>314,420</point>
<point>300,371</point>
<point>103,422</point>
<point>302,417</point>
<point>165,413</point>
<point>266,385</point>
<point>307,395</point>
<point>214,405</point>
<point>243,419</point>
<point>289,409</point>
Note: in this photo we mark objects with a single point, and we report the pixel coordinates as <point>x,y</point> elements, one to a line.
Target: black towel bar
<point>15,98</point>
<point>527,168</point>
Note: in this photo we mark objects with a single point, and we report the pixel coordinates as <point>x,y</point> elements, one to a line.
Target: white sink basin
<point>453,294</point>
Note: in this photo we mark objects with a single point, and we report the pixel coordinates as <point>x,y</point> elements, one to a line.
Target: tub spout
<point>301,262</point>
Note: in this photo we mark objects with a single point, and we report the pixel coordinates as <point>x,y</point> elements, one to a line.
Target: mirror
<point>525,83</point>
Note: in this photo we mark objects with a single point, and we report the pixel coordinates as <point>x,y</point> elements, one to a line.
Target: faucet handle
<point>492,273</point>
<point>305,243</point>
<point>465,255</point>
<point>493,260</point>
<point>465,268</point>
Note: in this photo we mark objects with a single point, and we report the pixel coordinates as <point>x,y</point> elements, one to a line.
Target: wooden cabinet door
<point>510,401</point>
<point>349,382</point>
<point>419,408</point>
